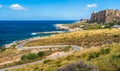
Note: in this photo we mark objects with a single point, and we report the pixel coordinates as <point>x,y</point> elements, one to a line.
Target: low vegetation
<point>104,58</point>
<point>39,55</point>
<point>8,54</point>
<point>26,56</point>
<point>2,49</point>
<point>78,66</point>
<point>86,38</point>
<point>88,26</point>
<point>11,54</point>
<point>47,61</point>
<point>30,56</point>
<point>101,52</point>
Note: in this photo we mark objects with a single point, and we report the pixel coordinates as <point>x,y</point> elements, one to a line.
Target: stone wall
<point>105,16</point>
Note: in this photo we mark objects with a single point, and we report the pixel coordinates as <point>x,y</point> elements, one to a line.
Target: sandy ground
<point>59,54</point>
<point>56,55</point>
<point>7,62</point>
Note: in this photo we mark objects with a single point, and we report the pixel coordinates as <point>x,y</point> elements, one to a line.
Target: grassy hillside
<point>11,54</point>
<point>104,58</point>
<point>103,53</point>
<point>86,38</point>
<point>13,57</point>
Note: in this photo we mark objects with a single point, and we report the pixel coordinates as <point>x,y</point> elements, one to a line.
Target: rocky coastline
<point>62,27</point>
<point>67,28</point>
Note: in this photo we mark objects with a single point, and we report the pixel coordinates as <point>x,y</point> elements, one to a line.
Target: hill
<point>86,38</point>
<point>105,58</point>
<point>101,52</point>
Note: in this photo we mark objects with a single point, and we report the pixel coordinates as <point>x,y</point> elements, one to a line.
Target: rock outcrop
<point>105,16</point>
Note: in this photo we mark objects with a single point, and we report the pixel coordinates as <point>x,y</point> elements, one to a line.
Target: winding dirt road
<point>20,47</point>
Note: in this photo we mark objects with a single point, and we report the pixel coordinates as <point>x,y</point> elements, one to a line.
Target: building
<point>105,16</point>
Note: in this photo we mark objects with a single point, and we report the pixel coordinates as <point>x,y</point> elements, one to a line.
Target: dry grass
<point>86,38</point>
<point>12,56</point>
<point>96,39</point>
<point>105,62</point>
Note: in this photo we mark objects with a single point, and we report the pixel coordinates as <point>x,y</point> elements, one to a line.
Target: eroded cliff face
<point>105,16</point>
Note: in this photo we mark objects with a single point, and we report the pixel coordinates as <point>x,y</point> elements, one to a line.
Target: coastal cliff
<point>105,16</point>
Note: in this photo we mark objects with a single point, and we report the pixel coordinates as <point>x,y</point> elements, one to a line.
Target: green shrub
<point>2,49</point>
<point>114,57</point>
<point>30,56</point>
<point>105,51</point>
<point>67,48</point>
<point>118,23</point>
<point>47,61</point>
<point>115,36</point>
<point>92,26</point>
<point>93,55</point>
<point>23,57</point>
<point>18,63</point>
<point>115,61</point>
<point>97,54</point>
<point>41,54</point>
<point>36,68</point>
<point>108,25</point>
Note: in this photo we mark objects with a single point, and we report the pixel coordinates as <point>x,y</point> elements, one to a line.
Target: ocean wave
<point>33,33</point>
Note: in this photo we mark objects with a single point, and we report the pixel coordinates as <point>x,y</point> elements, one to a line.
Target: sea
<point>11,31</point>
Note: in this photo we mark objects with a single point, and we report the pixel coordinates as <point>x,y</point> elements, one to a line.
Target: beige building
<point>105,16</point>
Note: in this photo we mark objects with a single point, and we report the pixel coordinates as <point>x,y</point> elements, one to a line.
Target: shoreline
<point>25,40</point>
<point>67,28</point>
<point>61,29</point>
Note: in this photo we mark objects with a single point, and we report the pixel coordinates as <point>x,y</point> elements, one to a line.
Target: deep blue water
<point>18,30</point>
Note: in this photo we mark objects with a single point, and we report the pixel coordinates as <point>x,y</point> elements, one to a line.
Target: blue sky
<point>53,9</point>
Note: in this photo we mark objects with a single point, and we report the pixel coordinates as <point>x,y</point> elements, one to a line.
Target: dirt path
<point>53,56</point>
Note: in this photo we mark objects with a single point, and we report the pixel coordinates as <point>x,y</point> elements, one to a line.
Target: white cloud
<point>1,5</point>
<point>92,5</point>
<point>17,7</point>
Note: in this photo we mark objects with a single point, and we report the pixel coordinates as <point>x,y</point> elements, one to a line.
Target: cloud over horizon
<point>17,7</point>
